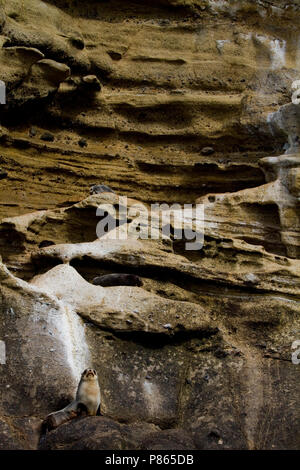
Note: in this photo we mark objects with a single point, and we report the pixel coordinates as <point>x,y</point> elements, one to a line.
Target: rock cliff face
<point>170,101</point>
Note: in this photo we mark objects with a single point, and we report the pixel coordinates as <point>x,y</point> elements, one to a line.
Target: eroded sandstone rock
<point>200,355</point>
<point>96,433</point>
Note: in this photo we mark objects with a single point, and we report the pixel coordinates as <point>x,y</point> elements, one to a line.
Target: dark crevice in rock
<point>89,268</point>
<point>149,340</point>
<point>176,78</point>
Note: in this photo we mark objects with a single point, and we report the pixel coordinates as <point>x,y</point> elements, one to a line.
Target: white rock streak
<point>72,330</point>
<point>68,328</point>
<point>278,48</point>
<point>152,397</point>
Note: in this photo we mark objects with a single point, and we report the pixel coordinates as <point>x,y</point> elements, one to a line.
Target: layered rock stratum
<point>170,101</point>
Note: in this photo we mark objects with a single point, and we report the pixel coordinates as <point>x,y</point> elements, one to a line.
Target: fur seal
<point>88,392</point>
<point>118,279</point>
<point>100,188</point>
<point>46,243</point>
<point>87,402</point>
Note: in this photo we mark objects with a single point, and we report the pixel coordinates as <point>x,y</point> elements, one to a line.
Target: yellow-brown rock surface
<point>172,101</point>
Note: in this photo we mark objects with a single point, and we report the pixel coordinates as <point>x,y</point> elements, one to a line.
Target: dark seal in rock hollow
<point>118,279</point>
<point>82,143</point>
<point>47,137</point>
<point>207,151</point>
<point>45,243</point>
<point>100,188</point>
